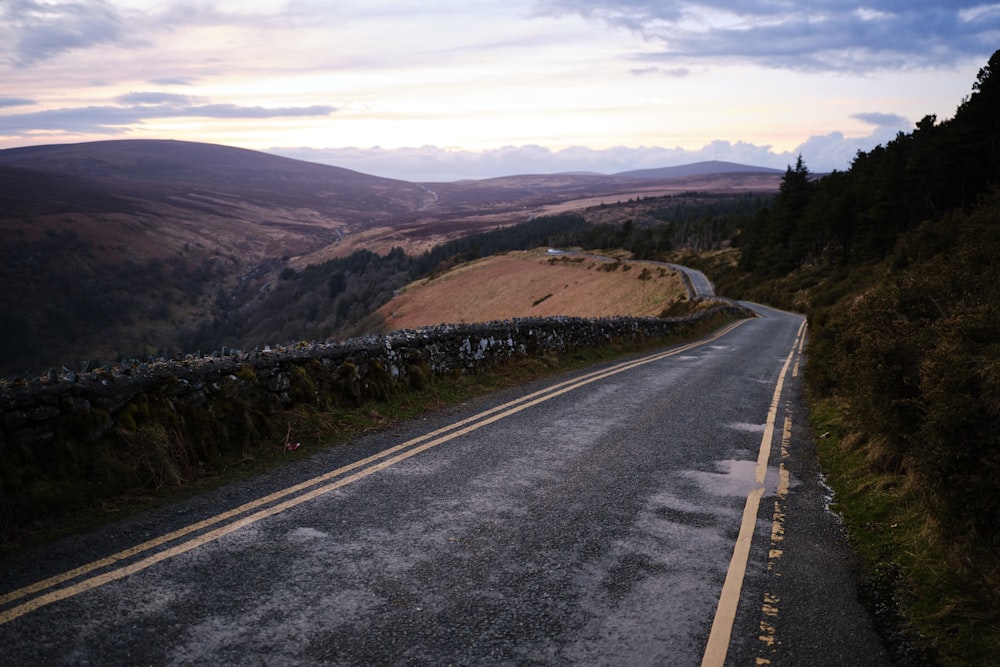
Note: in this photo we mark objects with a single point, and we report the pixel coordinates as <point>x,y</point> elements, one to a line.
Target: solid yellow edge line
<point>725,614</point>
<point>520,404</point>
<point>259,502</point>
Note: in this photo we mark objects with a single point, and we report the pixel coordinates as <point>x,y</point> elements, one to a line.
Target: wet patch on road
<point>748,428</point>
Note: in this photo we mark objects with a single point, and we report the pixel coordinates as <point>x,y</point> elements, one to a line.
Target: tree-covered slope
<point>895,261</point>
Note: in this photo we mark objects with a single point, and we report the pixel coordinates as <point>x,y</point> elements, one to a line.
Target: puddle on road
<point>736,478</point>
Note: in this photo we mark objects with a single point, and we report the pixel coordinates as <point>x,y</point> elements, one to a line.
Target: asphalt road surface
<point>664,511</point>
<point>700,285</point>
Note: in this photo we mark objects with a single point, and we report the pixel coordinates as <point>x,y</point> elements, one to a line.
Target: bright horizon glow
<point>473,89</point>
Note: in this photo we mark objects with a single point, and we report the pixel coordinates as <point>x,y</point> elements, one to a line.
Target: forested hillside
<point>895,260</point>
<point>856,216</point>
<point>338,298</point>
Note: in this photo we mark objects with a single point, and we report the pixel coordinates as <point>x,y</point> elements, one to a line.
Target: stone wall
<point>98,431</point>
<point>31,411</point>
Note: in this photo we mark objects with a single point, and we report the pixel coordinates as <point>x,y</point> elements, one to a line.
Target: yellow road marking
<point>802,344</point>
<point>432,439</point>
<point>725,614</point>
<point>769,607</point>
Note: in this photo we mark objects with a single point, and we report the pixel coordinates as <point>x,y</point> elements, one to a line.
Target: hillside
<point>194,175</point>
<point>138,248</point>
<point>124,247</point>
<point>894,260</point>
<point>707,168</point>
<point>534,284</point>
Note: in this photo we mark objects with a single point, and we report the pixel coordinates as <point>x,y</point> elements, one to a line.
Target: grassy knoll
<point>534,284</point>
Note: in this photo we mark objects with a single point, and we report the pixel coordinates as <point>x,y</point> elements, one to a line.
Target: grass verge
<point>935,600</point>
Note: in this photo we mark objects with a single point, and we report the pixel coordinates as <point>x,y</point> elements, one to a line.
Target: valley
<point>134,248</point>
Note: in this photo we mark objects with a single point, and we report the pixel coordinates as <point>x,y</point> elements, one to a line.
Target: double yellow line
<point>717,646</point>
<point>47,591</point>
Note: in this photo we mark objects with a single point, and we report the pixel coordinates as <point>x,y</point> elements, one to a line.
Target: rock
<point>279,382</point>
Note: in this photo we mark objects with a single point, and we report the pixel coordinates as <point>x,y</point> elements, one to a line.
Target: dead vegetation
<point>535,284</point>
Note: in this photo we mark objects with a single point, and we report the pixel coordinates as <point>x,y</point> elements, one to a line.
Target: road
<point>700,285</point>
<point>697,283</point>
<point>661,511</point>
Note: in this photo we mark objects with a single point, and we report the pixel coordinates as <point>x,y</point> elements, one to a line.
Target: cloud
<point>85,120</point>
<point>41,30</point>
<point>822,153</point>
<point>135,109</point>
<point>821,35</point>
<point>236,111</point>
<point>675,72</point>
<point>15,102</point>
<point>173,81</point>
<point>883,119</point>
<point>156,98</point>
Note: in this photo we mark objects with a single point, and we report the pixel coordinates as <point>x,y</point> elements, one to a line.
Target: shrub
<point>918,361</point>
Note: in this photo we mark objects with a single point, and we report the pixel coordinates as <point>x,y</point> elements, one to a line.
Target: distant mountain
<point>708,168</point>
<point>181,171</point>
<point>125,247</point>
<point>129,246</point>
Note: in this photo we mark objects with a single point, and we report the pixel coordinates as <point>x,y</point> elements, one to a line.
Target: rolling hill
<point>535,284</point>
<point>127,247</point>
<point>186,172</point>
<point>707,168</point>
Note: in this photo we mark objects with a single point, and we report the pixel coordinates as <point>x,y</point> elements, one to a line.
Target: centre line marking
<point>374,463</point>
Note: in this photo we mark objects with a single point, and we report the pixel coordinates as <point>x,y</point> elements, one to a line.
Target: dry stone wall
<point>72,436</point>
<point>46,408</point>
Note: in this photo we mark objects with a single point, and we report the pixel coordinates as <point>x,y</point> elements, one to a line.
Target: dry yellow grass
<point>534,284</point>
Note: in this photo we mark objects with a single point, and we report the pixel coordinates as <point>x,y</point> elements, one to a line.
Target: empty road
<point>665,510</point>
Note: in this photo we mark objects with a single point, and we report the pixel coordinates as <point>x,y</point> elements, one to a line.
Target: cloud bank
<point>822,153</point>
<point>819,35</point>
<point>135,108</point>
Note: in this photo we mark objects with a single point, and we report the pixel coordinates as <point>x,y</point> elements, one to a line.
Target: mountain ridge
<point>129,246</point>
<point>703,168</point>
<point>211,155</point>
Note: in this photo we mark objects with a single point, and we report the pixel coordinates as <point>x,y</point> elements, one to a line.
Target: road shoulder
<point>812,610</point>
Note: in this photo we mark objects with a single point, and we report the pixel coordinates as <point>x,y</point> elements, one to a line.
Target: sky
<point>451,89</point>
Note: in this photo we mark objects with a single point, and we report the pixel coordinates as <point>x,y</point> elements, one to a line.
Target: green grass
<point>934,601</point>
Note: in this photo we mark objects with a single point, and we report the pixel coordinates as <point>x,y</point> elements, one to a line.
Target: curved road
<point>700,285</point>
<point>696,282</point>
<point>661,511</point>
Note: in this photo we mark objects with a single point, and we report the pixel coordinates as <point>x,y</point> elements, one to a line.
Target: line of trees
<point>337,298</point>
<point>856,216</point>
<point>916,358</point>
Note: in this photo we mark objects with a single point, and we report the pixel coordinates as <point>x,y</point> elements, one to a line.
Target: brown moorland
<point>466,207</point>
<point>535,284</point>
<point>130,247</point>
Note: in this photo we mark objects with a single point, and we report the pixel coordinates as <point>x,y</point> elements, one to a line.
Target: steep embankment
<point>535,284</point>
<point>126,247</point>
